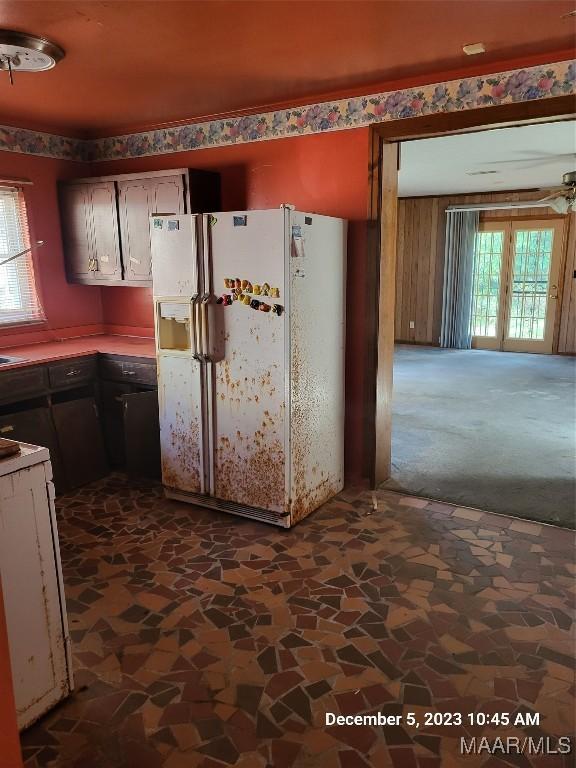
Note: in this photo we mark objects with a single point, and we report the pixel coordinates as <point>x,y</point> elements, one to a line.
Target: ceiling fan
<point>529,159</point>
<point>562,199</point>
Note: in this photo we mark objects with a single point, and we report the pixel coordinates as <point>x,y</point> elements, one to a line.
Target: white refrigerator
<point>250,323</point>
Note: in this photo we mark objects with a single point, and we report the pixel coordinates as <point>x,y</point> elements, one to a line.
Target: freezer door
<point>247,390</point>
<point>181,407</point>
<point>174,255</point>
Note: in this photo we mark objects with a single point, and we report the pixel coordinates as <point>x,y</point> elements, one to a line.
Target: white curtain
<point>461,228</point>
<point>19,301</point>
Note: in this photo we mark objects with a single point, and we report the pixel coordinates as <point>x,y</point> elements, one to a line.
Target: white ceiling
<point>524,158</point>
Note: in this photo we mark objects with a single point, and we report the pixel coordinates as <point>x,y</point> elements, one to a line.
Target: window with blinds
<point>18,298</point>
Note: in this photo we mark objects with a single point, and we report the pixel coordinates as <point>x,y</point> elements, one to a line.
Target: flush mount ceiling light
<point>20,52</point>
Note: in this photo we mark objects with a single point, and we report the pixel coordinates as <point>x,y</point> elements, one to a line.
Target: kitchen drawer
<point>117,369</point>
<point>80,370</point>
<point>22,384</point>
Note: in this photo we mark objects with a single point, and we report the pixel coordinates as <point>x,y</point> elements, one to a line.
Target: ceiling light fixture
<point>20,52</point>
<point>474,49</point>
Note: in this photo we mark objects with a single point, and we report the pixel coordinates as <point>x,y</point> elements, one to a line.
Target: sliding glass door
<point>515,285</point>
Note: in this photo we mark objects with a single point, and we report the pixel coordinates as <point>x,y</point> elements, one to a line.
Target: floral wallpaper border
<point>518,85</point>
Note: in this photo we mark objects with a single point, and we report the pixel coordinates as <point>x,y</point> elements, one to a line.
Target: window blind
<point>18,297</point>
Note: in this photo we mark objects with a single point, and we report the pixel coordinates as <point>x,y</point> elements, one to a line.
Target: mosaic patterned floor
<point>202,640</point>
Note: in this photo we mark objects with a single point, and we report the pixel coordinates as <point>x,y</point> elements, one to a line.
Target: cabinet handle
<point>128,373</point>
<point>7,428</point>
<point>74,372</point>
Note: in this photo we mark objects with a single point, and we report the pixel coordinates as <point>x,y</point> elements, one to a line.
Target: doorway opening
<point>490,426</point>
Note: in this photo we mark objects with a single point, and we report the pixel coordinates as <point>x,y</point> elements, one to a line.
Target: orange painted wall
<point>70,309</point>
<point>321,173</point>
<point>10,755</point>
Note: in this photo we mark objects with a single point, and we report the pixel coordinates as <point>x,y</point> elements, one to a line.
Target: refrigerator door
<point>248,443</point>
<point>317,336</point>
<point>177,283</point>
<point>174,255</point>
<point>181,408</point>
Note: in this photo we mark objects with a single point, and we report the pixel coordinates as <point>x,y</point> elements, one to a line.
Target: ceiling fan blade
<point>540,157</point>
<point>553,196</point>
<point>553,190</point>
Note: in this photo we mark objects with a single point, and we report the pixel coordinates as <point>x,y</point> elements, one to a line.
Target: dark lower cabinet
<point>35,426</point>
<point>111,393</point>
<point>142,433</point>
<point>92,413</point>
<point>131,428</point>
<point>80,439</point>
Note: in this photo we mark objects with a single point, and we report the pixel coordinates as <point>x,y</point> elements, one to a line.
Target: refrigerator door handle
<point>194,334</point>
<point>205,329</point>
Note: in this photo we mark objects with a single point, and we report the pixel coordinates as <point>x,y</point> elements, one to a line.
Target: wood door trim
<point>377,414</point>
<point>386,297</point>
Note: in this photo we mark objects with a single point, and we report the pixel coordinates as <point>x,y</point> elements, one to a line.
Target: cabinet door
<point>106,243</point>
<point>113,420</point>
<point>75,213</point>
<point>142,433</point>
<point>35,426</point>
<point>80,438</point>
<point>138,200</point>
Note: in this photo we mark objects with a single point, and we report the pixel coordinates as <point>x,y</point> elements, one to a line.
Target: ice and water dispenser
<point>174,325</point>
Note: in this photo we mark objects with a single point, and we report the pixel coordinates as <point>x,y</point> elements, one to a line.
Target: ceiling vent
<point>20,52</point>
<point>474,49</point>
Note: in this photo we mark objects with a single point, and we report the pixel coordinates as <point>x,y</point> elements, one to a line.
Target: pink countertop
<point>48,351</point>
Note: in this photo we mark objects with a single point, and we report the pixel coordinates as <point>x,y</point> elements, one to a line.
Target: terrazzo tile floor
<point>202,640</point>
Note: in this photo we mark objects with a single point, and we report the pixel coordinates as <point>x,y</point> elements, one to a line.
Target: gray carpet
<point>492,430</point>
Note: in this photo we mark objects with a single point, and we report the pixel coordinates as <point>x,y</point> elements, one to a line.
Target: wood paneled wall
<point>420,264</point>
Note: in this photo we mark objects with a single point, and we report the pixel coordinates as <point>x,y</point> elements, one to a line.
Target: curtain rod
<point>15,181</point>
<point>498,206</point>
